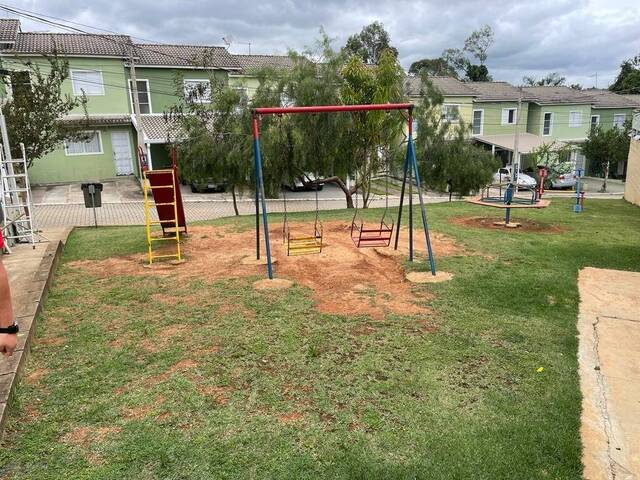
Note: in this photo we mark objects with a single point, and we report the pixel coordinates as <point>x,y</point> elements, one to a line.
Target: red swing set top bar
<point>332,108</point>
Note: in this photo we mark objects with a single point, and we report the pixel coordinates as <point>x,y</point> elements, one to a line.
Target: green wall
<point>606,115</point>
<point>163,87</point>
<point>160,156</point>
<point>560,129</point>
<point>493,117</point>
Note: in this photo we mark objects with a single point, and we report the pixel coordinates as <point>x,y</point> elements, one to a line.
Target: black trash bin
<point>90,188</point>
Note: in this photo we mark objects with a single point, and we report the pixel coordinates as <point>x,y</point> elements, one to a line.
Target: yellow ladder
<point>147,187</point>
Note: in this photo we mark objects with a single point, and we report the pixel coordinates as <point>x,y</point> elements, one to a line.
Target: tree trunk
<point>335,180</point>
<point>235,202</point>
<point>606,176</point>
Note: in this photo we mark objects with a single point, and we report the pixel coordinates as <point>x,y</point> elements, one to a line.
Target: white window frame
<point>572,124</point>
<point>443,115</point>
<point>550,124</point>
<point>624,119</point>
<point>515,116</point>
<point>196,80</point>
<point>101,152</point>
<point>597,117</point>
<point>473,116</point>
<point>81,91</point>
<point>130,83</point>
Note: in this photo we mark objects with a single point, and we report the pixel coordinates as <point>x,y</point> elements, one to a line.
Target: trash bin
<point>90,189</point>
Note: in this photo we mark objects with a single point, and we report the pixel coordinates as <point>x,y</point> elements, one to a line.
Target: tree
<point>628,80</point>
<point>213,139</point>
<point>36,105</point>
<point>456,60</point>
<point>552,79</point>
<point>605,148</point>
<point>477,73</point>
<point>479,42</point>
<point>370,43</point>
<point>576,86</point>
<point>554,156</point>
<point>445,158</point>
<point>433,66</point>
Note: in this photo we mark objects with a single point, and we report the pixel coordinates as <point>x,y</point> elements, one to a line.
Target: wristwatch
<point>11,329</point>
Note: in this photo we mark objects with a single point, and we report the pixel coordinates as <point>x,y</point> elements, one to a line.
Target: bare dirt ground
<point>489,222</point>
<point>609,366</point>
<point>344,279</point>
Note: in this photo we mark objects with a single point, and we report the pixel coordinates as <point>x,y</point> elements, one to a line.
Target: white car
<point>503,175</point>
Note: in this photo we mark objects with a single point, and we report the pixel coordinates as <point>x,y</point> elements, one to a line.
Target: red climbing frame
<point>162,183</point>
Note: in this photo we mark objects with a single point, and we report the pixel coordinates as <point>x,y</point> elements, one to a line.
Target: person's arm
<point>7,340</point>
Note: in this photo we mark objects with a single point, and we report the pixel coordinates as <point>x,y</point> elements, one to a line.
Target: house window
<point>450,113</point>
<point>88,82</point>
<point>509,116</point>
<point>595,120</point>
<point>144,99</point>
<point>575,119</point>
<point>618,120</point>
<point>547,122</point>
<point>90,145</point>
<point>197,91</point>
<point>477,124</point>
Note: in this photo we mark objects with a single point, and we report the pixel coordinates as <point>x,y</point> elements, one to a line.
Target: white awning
<point>527,142</point>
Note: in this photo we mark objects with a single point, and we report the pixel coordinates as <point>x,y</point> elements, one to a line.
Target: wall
<point>162,84</point>
<point>632,185</point>
<point>250,83</point>
<point>560,129</point>
<point>493,117</point>
<point>57,167</point>
<point>606,115</point>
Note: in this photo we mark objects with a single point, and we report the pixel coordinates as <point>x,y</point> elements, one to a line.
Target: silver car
<point>562,176</point>
<point>503,175</point>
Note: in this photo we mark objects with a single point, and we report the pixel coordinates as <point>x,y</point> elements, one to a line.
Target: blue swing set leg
<point>260,195</point>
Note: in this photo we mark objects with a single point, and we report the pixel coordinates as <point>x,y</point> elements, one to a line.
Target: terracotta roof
<point>255,62</point>
<point>557,95</point>
<point>185,56</point>
<point>71,44</point>
<point>447,86</point>
<point>156,128</point>
<point>97,120</point>
<point>9,28</point>
<point>605,99</point>
<point>635,98</point>
<point>495,92</point>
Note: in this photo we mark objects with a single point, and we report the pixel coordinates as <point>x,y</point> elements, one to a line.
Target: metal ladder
<point>147,188</point>
<point>18,224</point>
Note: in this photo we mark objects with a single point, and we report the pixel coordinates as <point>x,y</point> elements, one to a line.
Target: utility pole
<point>515,162</point>
<point>136,106</point>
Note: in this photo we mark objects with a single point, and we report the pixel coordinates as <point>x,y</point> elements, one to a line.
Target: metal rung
<point>14,161</point>
<point>16,190</point>
<point>15,175</point>
<point>162,204</point>
<point>160,222</point>
<point>17,205</point>
<point>161,186</point>
<point>165,256</point>
<point>163,238</point>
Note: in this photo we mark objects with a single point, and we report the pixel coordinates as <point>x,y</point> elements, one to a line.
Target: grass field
<point>147,377</point>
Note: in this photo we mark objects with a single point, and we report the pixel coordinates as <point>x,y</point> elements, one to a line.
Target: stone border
<point>11,369</point>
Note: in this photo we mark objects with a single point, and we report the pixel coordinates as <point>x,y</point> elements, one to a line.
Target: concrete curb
<point>35,297</point>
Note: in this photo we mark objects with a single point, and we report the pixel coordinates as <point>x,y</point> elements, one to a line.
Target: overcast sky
<point>577,38</point>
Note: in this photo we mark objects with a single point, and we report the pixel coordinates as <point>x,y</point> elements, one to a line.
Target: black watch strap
<point>11,329</point>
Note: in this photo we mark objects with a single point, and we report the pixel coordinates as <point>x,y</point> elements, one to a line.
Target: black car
<point>208,185</point>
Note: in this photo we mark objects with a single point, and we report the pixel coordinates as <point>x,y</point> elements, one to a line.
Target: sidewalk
<point>609,367</point>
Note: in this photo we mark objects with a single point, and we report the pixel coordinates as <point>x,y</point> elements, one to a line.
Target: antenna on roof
<point>228,40</point>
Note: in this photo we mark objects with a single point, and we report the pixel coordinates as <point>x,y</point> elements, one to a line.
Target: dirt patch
<point>345,279</point>
<point>37,375</point>
<point>51,341</point>
<point>490,223</point>
<point>428,277</point>
<point>219,394</point>
<point>83,436</point>
<point>272,284</point>
<point>182,366</point>
<point>291,417</point>
<point>161,340</point>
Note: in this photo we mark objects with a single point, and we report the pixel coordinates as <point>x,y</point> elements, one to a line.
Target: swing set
<point>378,235</point>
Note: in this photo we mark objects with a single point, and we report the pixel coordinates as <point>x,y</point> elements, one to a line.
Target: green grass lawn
<point>216,380</point>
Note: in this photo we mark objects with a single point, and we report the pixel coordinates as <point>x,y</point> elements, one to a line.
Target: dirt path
<point>609,356</point>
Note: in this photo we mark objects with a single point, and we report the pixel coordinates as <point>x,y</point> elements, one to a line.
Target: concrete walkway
<point>609,357</point>
<point>30,275</point>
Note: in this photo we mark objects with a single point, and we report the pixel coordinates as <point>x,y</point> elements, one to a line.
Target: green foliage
<point>476,45</point>
<point>433,66</point>
<point>477,73</point>
<point>38,89</point>
<point>370,43</point>
<point>605,148</point>
<point>479,42</point>
<point>554,156</point>
<point>445,157</point>
<point>628,80</point>
<point>552,79</point>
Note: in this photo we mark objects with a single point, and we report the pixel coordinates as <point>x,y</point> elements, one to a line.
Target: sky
<point>576,38</point>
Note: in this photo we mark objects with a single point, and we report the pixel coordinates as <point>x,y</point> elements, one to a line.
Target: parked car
<point>207,185</point>
<point>561,176</point>
<point>298,186</point>
<point>503,175</point>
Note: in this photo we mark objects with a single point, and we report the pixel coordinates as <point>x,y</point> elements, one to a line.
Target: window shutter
<point>505,115</point>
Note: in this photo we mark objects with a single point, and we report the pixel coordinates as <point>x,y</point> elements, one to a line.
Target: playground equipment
<point>380,235</point>
<point>410,171</point>
<point>162,190</point>
<point>302,244</point>
<point>579,205</point>
<point>508,196</point>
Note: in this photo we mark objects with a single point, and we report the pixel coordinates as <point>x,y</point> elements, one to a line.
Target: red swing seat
<point>363,236</point>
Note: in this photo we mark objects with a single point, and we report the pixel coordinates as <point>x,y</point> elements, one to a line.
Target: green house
<point>100,68</point>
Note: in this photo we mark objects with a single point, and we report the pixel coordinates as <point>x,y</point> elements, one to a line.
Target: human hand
<point>8,343</point>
